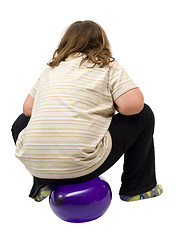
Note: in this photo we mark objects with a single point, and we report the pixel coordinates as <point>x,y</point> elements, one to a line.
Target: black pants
<point>132,136</point>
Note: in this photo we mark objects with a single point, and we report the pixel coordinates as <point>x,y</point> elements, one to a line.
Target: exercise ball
<point>81,202</point>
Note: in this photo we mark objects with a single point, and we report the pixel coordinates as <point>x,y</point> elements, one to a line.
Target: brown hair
<point>86,37</point>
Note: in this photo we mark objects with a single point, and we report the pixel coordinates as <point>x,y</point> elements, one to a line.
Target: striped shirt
<point>67,135</point>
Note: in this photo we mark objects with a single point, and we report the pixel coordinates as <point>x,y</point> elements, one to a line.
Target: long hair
<point>88,38</point>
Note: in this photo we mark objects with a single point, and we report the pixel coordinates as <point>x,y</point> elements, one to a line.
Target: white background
<point>143,40</point>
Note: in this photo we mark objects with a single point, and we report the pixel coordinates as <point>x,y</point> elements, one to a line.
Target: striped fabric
<point>67,135</point>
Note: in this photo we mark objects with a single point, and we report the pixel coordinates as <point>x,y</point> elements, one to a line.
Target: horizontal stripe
<point>67,135</point>
<point>75,121</point>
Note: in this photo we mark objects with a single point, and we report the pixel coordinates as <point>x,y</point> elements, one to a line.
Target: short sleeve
<point>34,89</point>
<point>119,81</point>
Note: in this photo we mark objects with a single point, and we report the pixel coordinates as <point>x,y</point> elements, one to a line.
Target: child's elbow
<point>27,112</point>
<point>134,108</point>
<point>27,106</point>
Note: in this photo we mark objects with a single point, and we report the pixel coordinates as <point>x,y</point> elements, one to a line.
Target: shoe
<point>158,190</point>
<point>43,193</point>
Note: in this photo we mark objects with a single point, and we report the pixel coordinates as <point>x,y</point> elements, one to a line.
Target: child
<point>69,132</point>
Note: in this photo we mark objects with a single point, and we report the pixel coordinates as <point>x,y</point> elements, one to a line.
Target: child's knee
<point>149,115</point>
<point>19,124</point>
<point>149,111</point>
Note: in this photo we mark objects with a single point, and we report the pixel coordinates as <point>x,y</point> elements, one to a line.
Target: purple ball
<point>81,202</point>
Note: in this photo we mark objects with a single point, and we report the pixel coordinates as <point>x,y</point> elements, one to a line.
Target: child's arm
<point>131,102</point>
<point>28,105</point>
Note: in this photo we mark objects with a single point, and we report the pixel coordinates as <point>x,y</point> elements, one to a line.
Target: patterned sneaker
<point>43,193</point>
<point>158,190</point>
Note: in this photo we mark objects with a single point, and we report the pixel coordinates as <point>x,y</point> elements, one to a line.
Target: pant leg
<point>132,136</point>
<point>20,123</point>
<point>139,159</point>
